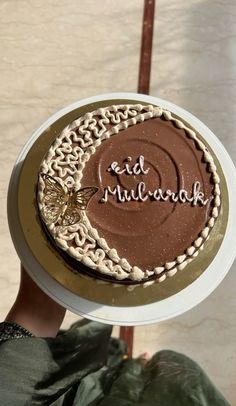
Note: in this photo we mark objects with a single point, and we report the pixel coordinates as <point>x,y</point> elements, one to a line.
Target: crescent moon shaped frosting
<point>155,193</point>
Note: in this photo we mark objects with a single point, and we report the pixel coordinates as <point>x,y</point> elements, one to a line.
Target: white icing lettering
<point>171,196</point>
<point>136,169</point>
<point>197,195</point>
<point>140,191</point>
<point>120,196</point>
<point>114,167</point>
<point>140,194</point>
<point>156,194</point>
<point>127,196</point>
<point>132,194</point>
<point>127,169</point>
<point>183,196</point>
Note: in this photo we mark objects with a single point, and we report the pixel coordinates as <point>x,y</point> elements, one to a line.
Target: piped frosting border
<point>66,161</point>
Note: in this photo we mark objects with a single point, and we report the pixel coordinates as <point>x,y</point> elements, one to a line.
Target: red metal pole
<point>146,47</point>
<point>127,333</point>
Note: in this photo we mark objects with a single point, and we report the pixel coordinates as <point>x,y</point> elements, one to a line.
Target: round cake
<point>128,194</point>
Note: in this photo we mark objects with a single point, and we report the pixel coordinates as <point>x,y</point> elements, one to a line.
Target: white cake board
<point>137,315</point>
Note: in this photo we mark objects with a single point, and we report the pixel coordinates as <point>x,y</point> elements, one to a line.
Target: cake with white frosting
<point>128,194</point>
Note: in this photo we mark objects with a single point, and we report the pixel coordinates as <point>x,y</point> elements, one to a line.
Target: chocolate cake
<point>128,193</point>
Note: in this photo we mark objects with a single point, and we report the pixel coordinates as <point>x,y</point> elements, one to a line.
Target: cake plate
<point>104,302</point>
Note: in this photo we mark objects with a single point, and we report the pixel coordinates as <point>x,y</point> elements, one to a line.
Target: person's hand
<point>34,310</point>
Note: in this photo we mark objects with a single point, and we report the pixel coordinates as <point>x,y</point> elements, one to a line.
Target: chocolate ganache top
<point>152,232</point>
<point>129,191</point>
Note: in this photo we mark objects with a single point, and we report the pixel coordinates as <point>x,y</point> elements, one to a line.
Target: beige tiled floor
<point>56,52</point>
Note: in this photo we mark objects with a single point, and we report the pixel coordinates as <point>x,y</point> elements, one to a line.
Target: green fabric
<point>85,367</point>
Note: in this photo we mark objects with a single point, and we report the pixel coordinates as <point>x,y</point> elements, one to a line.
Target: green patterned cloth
<point>85,367</point>
<point>12,330</point>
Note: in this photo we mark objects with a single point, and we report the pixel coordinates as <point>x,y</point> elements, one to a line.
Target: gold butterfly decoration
<point>61,206</point>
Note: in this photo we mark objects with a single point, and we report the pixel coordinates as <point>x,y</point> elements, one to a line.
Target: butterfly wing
<point>70,216</point>
<point>54,199</point>
<point>83,196</point>
<point>77,201</point>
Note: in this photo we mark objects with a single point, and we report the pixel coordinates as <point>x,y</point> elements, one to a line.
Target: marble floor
<point>56,52</point>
